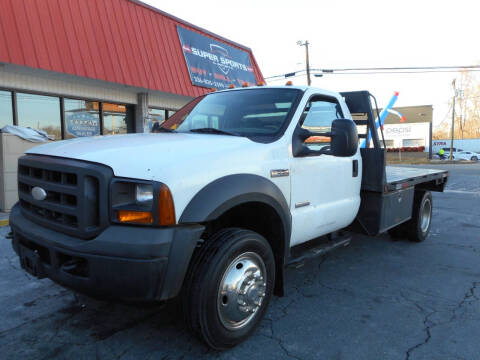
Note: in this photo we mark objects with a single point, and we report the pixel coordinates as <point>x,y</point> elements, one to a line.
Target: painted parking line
<point>462,192</point>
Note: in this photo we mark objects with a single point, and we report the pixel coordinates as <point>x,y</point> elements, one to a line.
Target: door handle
<point>355,168</point>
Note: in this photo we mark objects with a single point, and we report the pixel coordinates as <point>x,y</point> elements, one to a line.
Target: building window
<point>388,143</point>
<point>115,119</point>
<point>6,109</point>
<point>413,142</point>
<point>40,112</point>
<point>156,117</point>
<point>82,118</point>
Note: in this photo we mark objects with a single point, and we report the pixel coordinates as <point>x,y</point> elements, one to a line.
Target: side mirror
<point>344,138</point>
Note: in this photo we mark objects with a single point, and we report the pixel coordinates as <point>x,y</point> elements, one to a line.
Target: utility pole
<point>450,157</point>
<point>307,59</point>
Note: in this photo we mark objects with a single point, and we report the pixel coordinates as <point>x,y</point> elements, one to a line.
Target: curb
<point>4,222</point>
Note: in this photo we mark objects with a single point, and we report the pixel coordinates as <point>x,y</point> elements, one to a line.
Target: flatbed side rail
<point>426,179</point>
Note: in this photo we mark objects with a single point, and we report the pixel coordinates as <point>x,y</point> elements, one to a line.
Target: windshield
<point>260,114</point>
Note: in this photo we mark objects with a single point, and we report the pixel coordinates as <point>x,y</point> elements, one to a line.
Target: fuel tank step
<point>316,248</point>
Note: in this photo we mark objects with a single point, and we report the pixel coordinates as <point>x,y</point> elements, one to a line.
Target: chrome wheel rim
<point>426,215</point>
<point>242,290</point>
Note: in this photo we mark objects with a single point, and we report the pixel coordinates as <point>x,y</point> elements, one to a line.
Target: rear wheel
<point>228,287</point>
<point>419,225</point>
<point>474,158</point>
<point>417,228</point>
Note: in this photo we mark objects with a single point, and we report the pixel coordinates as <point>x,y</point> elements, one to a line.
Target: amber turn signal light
<point>166,209</point>
<point>136,217</point>
<point>231,86</point>
<point>289,83</point>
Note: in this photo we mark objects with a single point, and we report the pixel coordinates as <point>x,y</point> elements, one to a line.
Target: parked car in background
<point>447,149</point>
<point>466,155</point>
<point>446,154</point>
<point>462,155</point>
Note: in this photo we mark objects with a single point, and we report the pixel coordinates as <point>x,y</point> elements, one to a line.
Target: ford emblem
<point>38,193</point>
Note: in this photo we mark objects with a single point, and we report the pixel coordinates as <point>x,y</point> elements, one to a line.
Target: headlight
<point>148,203</point>
<point>144,194</point>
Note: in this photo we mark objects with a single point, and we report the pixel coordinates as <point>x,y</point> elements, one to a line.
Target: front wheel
<point>228,287</point>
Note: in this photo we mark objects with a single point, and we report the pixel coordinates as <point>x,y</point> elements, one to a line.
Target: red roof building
<point>80,68</point>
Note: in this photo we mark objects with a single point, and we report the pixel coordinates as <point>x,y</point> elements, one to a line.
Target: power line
<point>375,73</point>
<point>384,70</point>
<point>396,72</point>
<point>408,68</point>
<point>290,77</point>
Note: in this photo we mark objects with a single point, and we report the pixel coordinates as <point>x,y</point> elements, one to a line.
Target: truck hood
<point>148,156</point>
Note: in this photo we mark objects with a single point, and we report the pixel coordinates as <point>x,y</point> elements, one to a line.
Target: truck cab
<point>234,187</point>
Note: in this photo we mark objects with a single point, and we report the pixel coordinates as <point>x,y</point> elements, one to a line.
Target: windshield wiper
<point>213,131</point>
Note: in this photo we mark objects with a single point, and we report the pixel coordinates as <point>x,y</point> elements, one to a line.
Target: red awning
<point>121,41</point>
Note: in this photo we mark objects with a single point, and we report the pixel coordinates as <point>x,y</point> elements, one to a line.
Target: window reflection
<point>40,112</point>
<point>82,118</point>
<point>114,119</point>
<point>6,112</point>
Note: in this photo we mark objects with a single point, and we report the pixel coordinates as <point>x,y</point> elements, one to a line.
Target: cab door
<point>325,190</point>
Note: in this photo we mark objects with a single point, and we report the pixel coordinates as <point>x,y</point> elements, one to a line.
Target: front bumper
<point>125,262</point>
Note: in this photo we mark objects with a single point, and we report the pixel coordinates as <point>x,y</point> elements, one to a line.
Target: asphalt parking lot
<point>375,299</point>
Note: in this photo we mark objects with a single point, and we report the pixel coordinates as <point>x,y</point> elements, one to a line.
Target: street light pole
<point>450,157</point>
<point>307,59</point>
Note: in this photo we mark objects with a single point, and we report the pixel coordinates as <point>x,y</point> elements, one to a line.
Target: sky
<point>350,34</point>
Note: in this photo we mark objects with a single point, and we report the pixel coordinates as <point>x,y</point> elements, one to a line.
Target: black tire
<point>417,229</point>
<point>412,229</point>
<point>474,158</point>
<point>201,295</point>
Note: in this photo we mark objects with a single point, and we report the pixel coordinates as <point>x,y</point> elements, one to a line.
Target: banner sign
<point>213,64</point>
<point>82,124</point>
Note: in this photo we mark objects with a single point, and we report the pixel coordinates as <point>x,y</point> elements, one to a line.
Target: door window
<point>318,117</point>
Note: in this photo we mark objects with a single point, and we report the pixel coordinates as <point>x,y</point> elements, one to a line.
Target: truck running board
<point>301,253</point>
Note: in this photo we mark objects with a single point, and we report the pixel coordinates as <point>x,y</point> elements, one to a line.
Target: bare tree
<point>467,110</point>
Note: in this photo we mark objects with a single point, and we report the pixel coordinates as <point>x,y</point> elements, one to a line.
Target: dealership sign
<point>82,124</point>
<point>213,64</point>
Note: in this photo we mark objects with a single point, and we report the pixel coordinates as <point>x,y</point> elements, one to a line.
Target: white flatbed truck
<point>237,185</point>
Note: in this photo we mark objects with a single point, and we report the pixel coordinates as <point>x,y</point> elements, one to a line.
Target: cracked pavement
<point>375,299</point>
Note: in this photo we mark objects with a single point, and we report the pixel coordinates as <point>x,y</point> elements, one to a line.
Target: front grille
<point>76,194</point>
